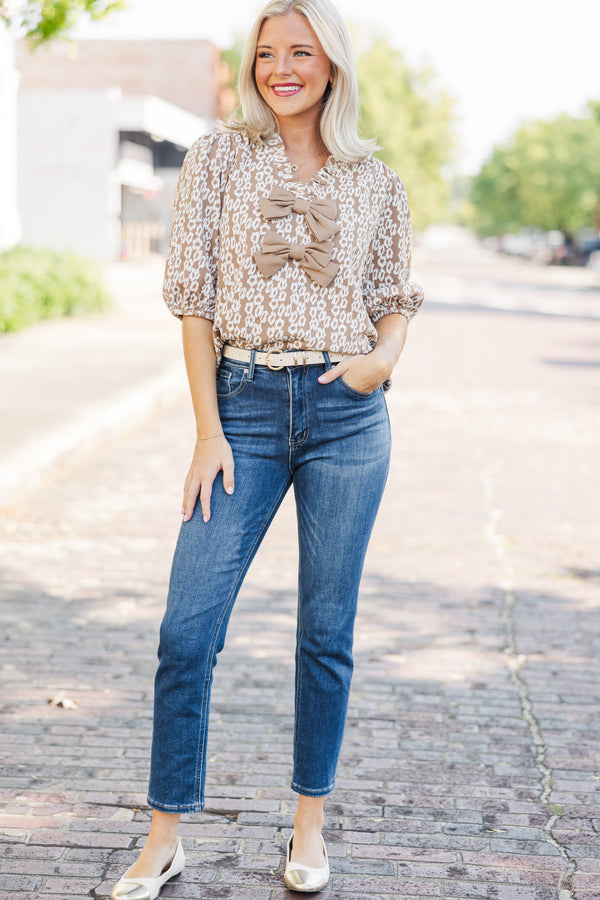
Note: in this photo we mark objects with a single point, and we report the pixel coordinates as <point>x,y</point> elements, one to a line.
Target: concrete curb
<point>105,420</point>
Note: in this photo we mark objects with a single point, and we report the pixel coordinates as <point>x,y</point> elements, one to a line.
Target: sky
<point>504,63</point>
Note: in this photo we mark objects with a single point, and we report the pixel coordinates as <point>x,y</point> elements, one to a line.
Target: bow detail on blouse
<point>320,214</point>
<point>314,258</point>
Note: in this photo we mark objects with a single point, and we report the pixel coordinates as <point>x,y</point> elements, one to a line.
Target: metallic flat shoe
<point>148,888</point>
<point>298,877</point>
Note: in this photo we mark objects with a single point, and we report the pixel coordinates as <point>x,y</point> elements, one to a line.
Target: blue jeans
<point>333,444</point>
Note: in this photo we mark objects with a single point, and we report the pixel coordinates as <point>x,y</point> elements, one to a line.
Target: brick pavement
<point>470,767</point>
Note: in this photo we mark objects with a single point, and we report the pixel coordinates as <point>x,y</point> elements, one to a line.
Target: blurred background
<point>491,115</point>
<point>478,686</point>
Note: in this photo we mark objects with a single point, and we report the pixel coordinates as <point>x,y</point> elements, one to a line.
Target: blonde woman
<point>289,267</point>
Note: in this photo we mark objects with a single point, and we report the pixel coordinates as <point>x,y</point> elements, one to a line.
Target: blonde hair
<point>339,117</point>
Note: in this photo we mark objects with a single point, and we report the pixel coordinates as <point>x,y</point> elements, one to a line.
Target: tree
<point>41,20</point>
<point>547,175</point>
<point>411,117</point>
<point>231,59</point>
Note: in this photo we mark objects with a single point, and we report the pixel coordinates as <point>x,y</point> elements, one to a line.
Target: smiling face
<point>292,70</point>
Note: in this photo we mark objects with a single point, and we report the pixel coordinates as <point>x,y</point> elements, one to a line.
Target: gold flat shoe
<point>298,877</point>
<point>148,888</point>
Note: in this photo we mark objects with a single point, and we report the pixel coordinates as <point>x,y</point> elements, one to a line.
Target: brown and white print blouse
<point>274,262</point>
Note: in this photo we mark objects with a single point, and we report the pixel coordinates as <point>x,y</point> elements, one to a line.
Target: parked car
<point>594,260</point>
<point>585,242</point>
<point>529,242</point>
<point>559,248</point>
<point>574,250</point>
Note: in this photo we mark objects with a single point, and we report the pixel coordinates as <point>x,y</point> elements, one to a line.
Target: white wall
<point>9,80</point>
<point>164,202</point>
<point>68,193</point>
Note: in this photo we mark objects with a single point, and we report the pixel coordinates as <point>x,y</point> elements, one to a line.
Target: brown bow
<point>314,258</point>
<point>320,214</point>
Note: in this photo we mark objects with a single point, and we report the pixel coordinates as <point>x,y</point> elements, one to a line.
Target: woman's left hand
<point>368,372</point>
<point>362,373</point>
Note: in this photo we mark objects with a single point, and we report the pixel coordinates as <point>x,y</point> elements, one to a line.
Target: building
<point>185,73</point>
<point>103,129</point>
<point>9,80</point>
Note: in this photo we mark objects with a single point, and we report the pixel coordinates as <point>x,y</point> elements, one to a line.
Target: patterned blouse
<point>274,262</point>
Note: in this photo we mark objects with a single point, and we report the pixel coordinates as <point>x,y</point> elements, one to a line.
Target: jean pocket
<point>231,380</point>
<point>364,395</point>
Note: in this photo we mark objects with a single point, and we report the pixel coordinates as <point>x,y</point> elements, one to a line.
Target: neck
<point>300,138</point>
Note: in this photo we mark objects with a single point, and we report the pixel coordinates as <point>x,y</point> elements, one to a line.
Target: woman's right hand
<point>211,456</point>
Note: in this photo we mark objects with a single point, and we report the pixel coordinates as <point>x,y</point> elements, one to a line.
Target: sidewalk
<point>470,768</point>
<point>71,383</point>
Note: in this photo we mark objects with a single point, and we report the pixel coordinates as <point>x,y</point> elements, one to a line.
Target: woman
<point>289,266</point>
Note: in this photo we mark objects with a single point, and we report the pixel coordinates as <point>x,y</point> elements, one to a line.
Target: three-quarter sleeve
<point>190,282</point>
<point>387,287</point>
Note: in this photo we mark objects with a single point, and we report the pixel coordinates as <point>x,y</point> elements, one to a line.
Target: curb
<point>25,470</point>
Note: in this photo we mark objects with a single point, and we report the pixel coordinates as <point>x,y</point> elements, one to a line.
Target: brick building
<point>9,81</point>
<point>103,128</point>
<point>187,74</point>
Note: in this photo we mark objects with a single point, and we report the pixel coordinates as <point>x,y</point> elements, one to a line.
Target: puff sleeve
<point>190,282</point>
<point>386,286</point>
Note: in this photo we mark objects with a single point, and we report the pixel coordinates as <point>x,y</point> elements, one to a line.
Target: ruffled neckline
<point>321,177</point>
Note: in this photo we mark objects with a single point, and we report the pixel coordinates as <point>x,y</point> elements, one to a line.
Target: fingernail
<point>206,518</point>
<point>230,490</point>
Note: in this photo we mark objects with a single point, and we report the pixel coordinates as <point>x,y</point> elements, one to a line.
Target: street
<point>471,766</point>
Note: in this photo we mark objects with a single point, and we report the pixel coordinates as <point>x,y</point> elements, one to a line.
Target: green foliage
<point>232,57</point>
<point>594,108</point>
<point>40,284</point>
<point>547,175</point>
<point>46,19</point>
<point>411,117</point>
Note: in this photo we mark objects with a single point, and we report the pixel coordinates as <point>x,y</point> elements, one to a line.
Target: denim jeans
<point>333,444</point>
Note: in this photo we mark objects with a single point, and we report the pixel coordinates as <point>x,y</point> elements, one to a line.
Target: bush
<point>40,284</point>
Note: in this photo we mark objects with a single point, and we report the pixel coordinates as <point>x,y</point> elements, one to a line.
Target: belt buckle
<point>273,366</point>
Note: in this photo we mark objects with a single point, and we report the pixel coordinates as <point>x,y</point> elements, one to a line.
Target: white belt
<point>279,359</point>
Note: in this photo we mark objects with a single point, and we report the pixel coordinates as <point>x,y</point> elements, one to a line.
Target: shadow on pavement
<point>438,755</point>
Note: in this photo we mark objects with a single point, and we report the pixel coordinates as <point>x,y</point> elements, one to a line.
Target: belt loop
<point>327,360</point>
<point>251,366</point>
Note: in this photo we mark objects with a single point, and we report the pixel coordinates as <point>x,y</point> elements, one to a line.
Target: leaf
<point>63,701</point>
